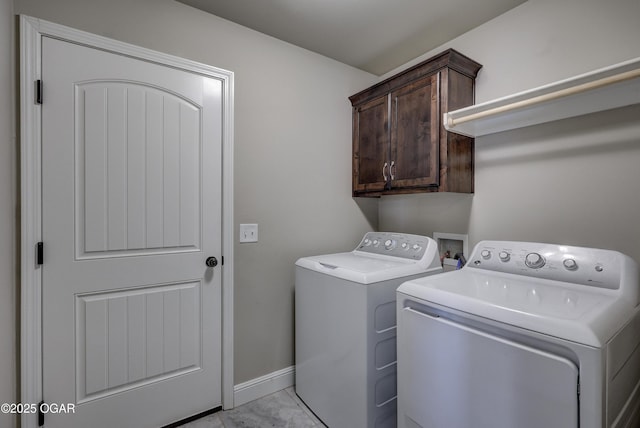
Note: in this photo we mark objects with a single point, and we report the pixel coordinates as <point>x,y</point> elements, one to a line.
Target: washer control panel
<point>406,246</point>
<point>578,265</point>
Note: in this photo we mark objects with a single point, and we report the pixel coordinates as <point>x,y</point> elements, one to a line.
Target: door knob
<point>211,262</point>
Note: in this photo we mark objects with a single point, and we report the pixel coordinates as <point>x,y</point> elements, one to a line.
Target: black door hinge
<point>38,91</point>
<point>40,414</point>
<point>39,253</point>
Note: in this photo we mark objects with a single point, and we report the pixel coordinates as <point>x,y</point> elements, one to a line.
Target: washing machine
<point>526,335</point>
<point>345,327</point>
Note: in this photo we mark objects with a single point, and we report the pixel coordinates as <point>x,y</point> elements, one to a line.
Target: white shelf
<point>599,90</point>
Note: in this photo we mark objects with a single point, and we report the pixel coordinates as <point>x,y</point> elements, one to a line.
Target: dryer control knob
<point>570,264</point>
<point>486,254</point>
<point>504,256</point>
<point>416,247</point>
<point>389,244</point>
<point>367,242</point>
<point>534,260</point>
<point>405,246</point>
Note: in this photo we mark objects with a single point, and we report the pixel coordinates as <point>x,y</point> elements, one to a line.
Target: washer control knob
<point>570,264</point>
<point>486,254</point>
<point>367,242</point>
<point>504,256</point>
<point>375,242</point>
<point>405,246</point>
<point>416,247</point>
<point>389,244</point>
<point>534,260</point>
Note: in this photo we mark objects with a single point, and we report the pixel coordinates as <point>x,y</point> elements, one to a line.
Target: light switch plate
<point>249,232</point>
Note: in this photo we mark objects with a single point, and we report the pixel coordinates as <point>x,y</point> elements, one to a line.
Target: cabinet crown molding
<point>450,58</point>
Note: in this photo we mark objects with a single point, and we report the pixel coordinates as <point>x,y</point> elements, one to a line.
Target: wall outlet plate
<point>249,232</point>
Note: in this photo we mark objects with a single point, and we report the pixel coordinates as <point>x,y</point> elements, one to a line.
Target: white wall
<point>7,214</point>
<point>292,152</point>
<point>574,181</point>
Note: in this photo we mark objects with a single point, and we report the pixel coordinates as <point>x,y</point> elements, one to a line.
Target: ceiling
<point>373,35</point>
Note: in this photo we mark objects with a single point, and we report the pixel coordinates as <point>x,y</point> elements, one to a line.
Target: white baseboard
<point>263,385</point>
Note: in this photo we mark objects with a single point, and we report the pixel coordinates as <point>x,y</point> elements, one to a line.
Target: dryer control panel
<point>404,245</point>
<point>578,265</point>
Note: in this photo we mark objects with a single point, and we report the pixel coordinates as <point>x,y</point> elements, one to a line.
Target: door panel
<point>131,338</point>
<point>453,376</point>
<point>135,196</point>
<point>131,314</point>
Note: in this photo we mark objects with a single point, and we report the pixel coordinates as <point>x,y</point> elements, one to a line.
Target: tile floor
<point>280,409</point>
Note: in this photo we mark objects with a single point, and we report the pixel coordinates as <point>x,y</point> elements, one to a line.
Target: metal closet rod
<point>627,75</point>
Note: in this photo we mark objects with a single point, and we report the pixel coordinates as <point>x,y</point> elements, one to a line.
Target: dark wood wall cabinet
<point>399,141</point>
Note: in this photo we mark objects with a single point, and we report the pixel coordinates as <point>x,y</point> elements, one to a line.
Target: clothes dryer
<point>345,327</point>
<point>526,335</point>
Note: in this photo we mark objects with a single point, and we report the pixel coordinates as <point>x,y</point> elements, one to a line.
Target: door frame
<point>31,32</point>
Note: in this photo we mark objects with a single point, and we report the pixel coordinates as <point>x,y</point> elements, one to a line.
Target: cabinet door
<point>371,145</point>
<point>415,134</point>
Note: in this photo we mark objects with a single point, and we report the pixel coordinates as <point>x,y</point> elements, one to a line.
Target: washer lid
<point>364,269</point>
<point>586,315</point>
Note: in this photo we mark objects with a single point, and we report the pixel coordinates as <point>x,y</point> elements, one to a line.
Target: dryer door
<point>452,376</point>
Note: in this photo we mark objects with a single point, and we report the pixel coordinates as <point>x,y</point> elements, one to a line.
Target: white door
<point>131,179</point>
